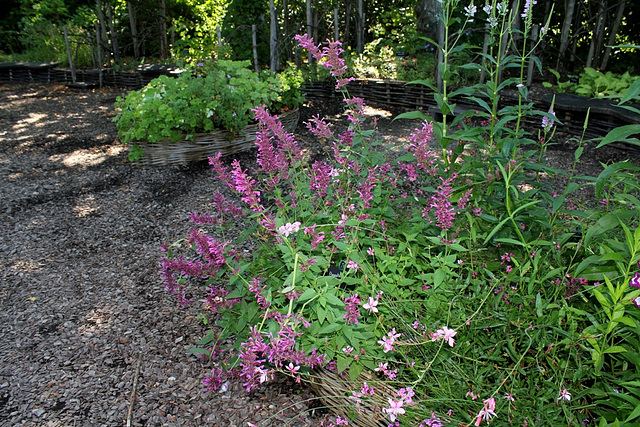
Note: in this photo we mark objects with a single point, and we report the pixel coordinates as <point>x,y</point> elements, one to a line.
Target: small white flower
<point>470,11</point>
<point>503,8</point>
<point>565,395</point>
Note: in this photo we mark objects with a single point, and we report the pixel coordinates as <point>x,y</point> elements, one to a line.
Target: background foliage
<point>31,30</point>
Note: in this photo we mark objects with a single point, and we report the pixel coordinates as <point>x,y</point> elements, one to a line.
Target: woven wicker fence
<point>204,145</point>
<point>334,391</point>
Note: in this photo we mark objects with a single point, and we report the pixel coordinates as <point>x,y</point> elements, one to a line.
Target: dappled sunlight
<point>96,320</point>
<point>85,206</point>
<point>26,265</point>
<point>32,119</point>
<point>86,157</point>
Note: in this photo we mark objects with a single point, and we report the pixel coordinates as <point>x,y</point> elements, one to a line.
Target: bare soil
<point>88,335</point>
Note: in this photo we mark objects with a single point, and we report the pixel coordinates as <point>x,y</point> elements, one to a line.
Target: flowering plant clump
<point>446,282</point>
<point>209,96</point>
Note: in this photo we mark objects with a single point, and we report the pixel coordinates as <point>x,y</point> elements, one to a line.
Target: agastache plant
<point>415,275</point>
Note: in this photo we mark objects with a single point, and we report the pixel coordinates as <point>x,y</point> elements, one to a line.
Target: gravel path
<point>83,313</point>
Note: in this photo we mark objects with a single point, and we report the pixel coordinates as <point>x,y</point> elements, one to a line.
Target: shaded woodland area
<point>129,32</point>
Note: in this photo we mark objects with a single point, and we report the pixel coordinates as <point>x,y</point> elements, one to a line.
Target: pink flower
<point>487,412</point>
<point>564,395</point>
<point>293,369</point>
<point>388,341</point>
<point>371,252</point>
<point>383,367</point>
<point>445,334</point>
<point>289,228</point>
<point>371,304</point>
<point>395,408</point>
<point>352,265</point>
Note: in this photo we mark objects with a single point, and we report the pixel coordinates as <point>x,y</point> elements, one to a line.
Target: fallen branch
<point>133,390</point>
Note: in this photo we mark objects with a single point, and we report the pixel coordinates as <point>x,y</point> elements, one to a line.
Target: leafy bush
<point>451,284</point>
<point>595,84</point>
<point>212,96</point>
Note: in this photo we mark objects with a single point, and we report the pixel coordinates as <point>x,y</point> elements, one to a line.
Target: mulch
<point>83,311</point>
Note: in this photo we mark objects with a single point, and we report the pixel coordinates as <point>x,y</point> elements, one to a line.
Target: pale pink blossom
<point>395,408</point>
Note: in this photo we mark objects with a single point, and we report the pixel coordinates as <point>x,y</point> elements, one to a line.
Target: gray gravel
<point>80,295</point>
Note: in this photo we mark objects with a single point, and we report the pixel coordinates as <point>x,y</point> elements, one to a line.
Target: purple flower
<point>444,211</point>
<point>352,309</point>
<point>319,128</point>
<point>635,280</point>
<point>321,175</point>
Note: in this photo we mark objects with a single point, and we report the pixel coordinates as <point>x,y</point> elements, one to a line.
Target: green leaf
<point>632,92</point>
<point>209,337</point>
<point>355,370</point>
<point>307,295</point>
<point>342,362</point>
<point>636,412</point>
<point>621,134</point>
<point>614,349</point>
<point>330,328</point>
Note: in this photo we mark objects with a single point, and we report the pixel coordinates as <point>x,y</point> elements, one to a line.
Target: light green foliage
<point>595,84</point>
<point>215,95</point>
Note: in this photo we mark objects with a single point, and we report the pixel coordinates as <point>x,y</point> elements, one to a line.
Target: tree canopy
<point>136,30</point>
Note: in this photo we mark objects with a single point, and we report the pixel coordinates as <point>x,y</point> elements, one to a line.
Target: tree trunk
<point>162,29</point>
<point>347,21</point>
<point>598,34</point>
<point>273,38</point>
<point>566,29</point>
<point>114,35</point>
<point>310,26</point>
<point>134,29</point>
<point>360,28</point>
<point>612,35</point>
<point>103,28</point>
<point>427,17</point>
<point>285,28</point>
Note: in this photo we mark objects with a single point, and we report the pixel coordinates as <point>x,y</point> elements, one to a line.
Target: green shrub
<point>217,95</point>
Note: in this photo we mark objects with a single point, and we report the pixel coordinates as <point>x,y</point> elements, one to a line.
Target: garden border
<point>570,109</point>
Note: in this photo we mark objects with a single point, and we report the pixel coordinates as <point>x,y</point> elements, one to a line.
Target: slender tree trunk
<point>285,28</point>
<point>516,37</point>
<point>360,28</point>
<point>310,26</point>
<point>273,38</point>
<point>134,29</point>
<point>162,29</point>
<point>347,21</point>
<point>114,35</point>
<point>566,29</point>
<point>612,35</point>
<point>103,29</point>
<point>592,57</point>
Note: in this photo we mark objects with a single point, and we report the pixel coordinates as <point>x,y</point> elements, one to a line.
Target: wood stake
<point>133,390</point>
